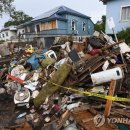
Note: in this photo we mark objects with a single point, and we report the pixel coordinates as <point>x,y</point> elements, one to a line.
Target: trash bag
<point>95,43</point>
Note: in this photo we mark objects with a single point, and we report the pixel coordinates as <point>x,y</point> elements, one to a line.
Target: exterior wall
<point>29,36</point>
<point>21,31</point>
<point>62,24</point>
<point>54,32</point>
<point>62,28</point>
<point>30,28</point>
<point>89,27</point>
<point>113,9</point>
<point>11,34</point>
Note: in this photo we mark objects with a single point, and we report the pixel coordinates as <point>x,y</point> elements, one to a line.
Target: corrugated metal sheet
<point>55,13</point>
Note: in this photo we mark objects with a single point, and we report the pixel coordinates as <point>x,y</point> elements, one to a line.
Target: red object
<point>94,52</point>
<point>18,80</point>
<point>56,108</point>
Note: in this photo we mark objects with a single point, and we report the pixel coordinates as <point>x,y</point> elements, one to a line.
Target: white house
<point>21,32</point>
<point>9,33</point>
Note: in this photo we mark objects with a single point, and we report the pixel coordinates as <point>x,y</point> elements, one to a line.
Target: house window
<point>125,13</point>
<point>48,25</point>
<point>32,28</point>
<point>27,29</point>
<point>6,34</point>
<point>73,25</point>
<point>83,26</point>
<point>38,28</point>
<point>3,35</point>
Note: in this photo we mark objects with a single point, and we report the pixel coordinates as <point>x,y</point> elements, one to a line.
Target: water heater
<point>107,75</point>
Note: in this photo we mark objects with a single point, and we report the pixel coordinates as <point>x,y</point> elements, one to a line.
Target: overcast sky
<point>92,8</point>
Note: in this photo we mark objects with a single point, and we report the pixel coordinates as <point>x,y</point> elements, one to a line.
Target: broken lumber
<point>58,78</point>
<point>109,102</point>
<point>64,117</point>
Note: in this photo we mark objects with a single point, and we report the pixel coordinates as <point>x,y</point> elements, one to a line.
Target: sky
<point>92,8</point>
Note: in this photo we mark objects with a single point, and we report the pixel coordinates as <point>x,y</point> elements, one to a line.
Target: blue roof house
<point>120,11</point>
<point>56,22</point>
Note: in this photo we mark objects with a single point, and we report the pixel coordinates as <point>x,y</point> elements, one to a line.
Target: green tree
<point>124,35</point>
<point>17,18</point>
<point>6,6</point>
<point>100,25</point>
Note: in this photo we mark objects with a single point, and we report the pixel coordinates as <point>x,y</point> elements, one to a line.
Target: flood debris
<point>70,86</point>
<point>48,89</point>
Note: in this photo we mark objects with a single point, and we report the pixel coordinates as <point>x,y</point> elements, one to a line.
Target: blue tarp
<point>33,60</point>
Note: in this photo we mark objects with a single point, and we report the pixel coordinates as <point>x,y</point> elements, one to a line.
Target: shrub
<point>2,41</point>
<point>124,35</point>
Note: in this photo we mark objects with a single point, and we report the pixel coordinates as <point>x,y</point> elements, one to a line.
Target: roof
<point>56,13</point>
<point>11,28</point>
<point>64,9</point>
<point>104,1</point>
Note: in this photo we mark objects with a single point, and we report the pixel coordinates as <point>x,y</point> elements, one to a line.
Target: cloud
<point>92,8</point>
<point>96,15</point>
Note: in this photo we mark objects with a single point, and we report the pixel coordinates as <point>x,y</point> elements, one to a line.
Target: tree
<point>100,25</point>
<point>17,18</point>
<point>124,35</point>
<point>6,6</point>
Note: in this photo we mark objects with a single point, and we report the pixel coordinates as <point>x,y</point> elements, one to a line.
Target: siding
<point>11,34</point>
<point>62,24</point>
<point>113,10</point>
<point>54,32</point>
<point>89,25</point>
<point>64,27</point>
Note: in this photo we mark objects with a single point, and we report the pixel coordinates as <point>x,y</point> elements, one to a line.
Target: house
<point>120,11</point>
<point>8,33</point>
<point>20,32</point>
<point>57,22</point>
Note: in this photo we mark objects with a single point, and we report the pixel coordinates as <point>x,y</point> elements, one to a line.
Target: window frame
<point>3,35</point>
<point>73,20</point>
<point>121,13</point>
<point>84,27</point>
<point>37,28</point>
<point>7,34</point>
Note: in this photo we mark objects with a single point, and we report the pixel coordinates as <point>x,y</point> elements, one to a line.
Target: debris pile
<point>71,86</point>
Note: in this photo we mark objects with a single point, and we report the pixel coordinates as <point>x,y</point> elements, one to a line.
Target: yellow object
<point>94,94</point>
<point>30,50</point>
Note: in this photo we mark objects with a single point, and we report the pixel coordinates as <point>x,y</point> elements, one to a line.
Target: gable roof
<point>56,14</point>
<point>46,14</point>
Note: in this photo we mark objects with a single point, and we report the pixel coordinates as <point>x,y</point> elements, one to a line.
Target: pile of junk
<point>73,85</point>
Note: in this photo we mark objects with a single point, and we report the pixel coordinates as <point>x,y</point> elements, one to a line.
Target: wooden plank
<point>109,102</point>
<point>64,117</point>
<point>121,112</point>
